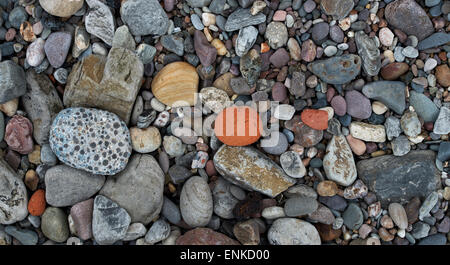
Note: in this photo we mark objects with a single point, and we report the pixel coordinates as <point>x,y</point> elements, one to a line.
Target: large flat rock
<point>251,169</point>
<point>398,179</point>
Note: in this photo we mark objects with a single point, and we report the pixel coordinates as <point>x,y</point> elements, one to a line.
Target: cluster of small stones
<point>90,156</point>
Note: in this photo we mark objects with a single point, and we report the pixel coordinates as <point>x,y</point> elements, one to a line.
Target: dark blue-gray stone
<point>436,239</point>
<point>24,236</point>
<point>171,211</point>
<point>173,43</point>
<point>435,40</point>
<point>444,151</point>
<point>337,70</point>
<point>390,93</point>
<point>398,179</point>
<point>335,202</point>
<point>217,6</point>
<point>7,48</point>
<point>353,216</point>
<point>424,107</point>
<point>17,16</point>
<point>12,81</point>
<point>242,18</point>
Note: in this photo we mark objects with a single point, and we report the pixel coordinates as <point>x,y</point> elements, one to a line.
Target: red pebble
<point>316,119</point>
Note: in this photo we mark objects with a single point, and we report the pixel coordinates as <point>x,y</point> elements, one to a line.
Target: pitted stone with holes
<point>90,139</point>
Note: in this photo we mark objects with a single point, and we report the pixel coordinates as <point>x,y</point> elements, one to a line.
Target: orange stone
<point>238,126</point>
<point>316,119</point>
<point>264,47</point>
<point>36,204</point>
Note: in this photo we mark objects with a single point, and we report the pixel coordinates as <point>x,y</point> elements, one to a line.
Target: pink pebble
<point>280,15</point>
<point>10,34</point>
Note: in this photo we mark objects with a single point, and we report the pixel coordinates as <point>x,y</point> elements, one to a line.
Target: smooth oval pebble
<point>61,8</point>
<point>176,84</point>
<point>292,231</point>
<point>398,215</point>
<point>76,139</point>
<point>196,203</point>
<point>299,206</point>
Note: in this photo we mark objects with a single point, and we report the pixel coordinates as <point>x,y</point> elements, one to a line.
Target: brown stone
<point>327,188</point>
<point>223,82</point>
<point>443,75</point>
<point>412,210</point>
<point>385,235</point>
<point>204,236</point>
<point>393,71</point>
<point>326,232</point>
<point>247,232</point>
<point>31,180</point>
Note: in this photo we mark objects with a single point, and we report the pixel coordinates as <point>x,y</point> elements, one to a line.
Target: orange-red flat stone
<point>36,204</point>
<point>316,119</point>
<point>238,126</point>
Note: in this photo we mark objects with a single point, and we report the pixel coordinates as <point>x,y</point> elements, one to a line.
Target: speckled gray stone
<point>76,139</point>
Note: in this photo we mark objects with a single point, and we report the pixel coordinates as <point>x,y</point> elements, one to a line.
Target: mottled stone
<point>75,138</point>
<point>337,70</point>
<point>100,21</point>
<point>338,162</point>
<point>18,134</point>
<point>245,40</point>
<point>251,169</point>
<point>368,132</point>
<point>369,53</point>
<point>13,195</point>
